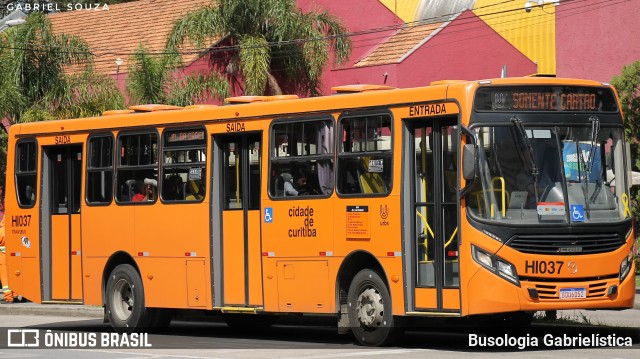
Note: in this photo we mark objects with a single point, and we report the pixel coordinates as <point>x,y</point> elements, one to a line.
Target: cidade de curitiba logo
<point>56,7</point>
<point>36,338</point>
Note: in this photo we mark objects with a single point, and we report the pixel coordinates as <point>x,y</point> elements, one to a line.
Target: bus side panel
<point>22,236</point>
<point>300,233</point>
<point>92,268</point>
<point>270,280</point>
<point>376,231</point>
<point>167,247</point>
<point>105,230</point>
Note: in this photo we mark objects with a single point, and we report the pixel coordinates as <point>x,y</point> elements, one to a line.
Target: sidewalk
<point>76,310</point>
<point>63,310</point>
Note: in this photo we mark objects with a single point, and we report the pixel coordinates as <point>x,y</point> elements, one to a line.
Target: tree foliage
<point>628,86</point>
<point>270,40</point>
<point>156,79</point>
<point>34,83</point>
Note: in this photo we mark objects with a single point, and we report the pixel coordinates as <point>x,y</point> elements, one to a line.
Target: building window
<point>184,165</point>
<point>100,170</point>
<point>302,158</point>
<point>26,172</point>
<point>137,170</point>
<point>365,158</point>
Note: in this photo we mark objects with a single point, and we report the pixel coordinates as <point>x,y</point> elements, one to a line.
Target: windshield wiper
<point>535,172</point>
<point>588,167</point>
<point>595,129</point>
<point>583,177</point>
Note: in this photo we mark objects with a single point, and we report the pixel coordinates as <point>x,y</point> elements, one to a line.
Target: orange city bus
<point>379,206</point>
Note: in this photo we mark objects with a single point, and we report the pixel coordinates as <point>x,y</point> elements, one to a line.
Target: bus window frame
<point>16,171</point>
<point>300,159</point>
<point>113,172</point>
<point>340,153</point>
<point>161,163</point>
<point>118,166</point>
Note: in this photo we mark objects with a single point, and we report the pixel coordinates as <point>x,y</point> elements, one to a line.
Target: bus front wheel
<point>125,299</point>
<point>369,310</point>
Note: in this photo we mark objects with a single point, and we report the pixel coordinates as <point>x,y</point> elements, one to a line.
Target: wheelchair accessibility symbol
<point>268,215</point>
<point>577,213</point>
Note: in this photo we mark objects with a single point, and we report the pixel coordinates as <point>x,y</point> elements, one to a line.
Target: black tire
<point>369,310</point>
<point>125,300</point>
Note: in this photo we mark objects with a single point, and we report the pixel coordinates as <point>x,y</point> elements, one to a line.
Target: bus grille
<point>566,244</point>
<point>551,292</point>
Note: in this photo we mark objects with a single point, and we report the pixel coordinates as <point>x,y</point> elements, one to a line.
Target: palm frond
<point>255,61</point>
<point>196,88</point>
<point>199,28</point>
<point>146,77</point>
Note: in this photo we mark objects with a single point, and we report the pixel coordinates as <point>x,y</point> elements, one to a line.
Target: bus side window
<point>304,145</point>
<point>365,160</point>
<point>26,161</point>
<point>184,161</point>
<point>100,169</point>
<point>138,160</point>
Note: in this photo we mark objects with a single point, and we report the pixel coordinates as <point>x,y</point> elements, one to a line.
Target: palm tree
<point>34,85</point>
<point>157,79</point>
<point>33,82</point>
<point>268,40</point>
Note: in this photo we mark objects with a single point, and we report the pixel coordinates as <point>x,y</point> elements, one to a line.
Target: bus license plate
<point>573,293</point>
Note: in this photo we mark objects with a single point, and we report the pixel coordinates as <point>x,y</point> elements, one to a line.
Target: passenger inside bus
<point>30,196</point>
<point>172,189</point>
<point>297,184</point>
<point>146,190</point>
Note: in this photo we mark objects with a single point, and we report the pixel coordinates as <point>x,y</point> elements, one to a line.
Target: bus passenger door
<point>240,224</point>
<point>431,168</point>
<point>61,205</point>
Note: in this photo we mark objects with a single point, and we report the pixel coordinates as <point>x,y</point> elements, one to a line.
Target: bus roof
<point>281,106</point>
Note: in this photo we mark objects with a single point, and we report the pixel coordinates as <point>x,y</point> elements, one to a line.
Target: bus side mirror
<point>469,162</point>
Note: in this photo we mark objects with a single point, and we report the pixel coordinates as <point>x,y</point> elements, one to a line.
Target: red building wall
<point>596,39</point>
<point>368,21</point>
<point>466,49</point>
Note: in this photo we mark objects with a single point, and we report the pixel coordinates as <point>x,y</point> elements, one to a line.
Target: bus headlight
<point>495,264</point>
<point>625,266</point>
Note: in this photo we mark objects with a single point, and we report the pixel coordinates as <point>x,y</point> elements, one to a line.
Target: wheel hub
<point>370,308</point>
<point>123,300</point>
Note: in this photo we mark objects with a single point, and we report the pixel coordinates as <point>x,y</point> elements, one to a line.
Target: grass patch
<point>638,281</point>
<point>566,318</point>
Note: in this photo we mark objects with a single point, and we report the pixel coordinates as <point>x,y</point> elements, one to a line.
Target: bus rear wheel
<point>125,300</point>
<point>369,310</point>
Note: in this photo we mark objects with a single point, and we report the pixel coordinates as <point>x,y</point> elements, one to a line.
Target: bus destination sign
<point>185,137</point>
<point>545,98</point>
<point>180,136</point>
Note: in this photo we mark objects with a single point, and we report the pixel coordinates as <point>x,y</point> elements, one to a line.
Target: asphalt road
<point>315,340</point>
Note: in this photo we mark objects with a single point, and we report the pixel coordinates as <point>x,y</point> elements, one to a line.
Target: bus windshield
<point>549,174</point>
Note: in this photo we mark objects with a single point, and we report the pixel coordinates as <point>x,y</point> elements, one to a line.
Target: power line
<point>211,51</point>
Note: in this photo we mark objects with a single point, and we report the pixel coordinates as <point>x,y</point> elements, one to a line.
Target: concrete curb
<point>60,310</point>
